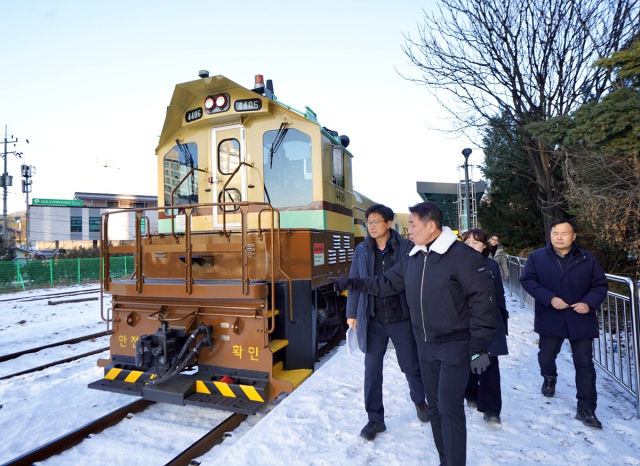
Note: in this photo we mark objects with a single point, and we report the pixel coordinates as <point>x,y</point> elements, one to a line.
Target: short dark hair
<point>564,220</point>
<point>386,212</point>
<point>494,234</point>
<point>480,236</point>
<point>428,212</point>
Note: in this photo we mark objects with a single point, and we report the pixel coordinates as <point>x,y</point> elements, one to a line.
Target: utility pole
<point>5,182</point>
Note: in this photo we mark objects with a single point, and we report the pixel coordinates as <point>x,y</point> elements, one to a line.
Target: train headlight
<point>209,103</point>
<point>221,101</point>
<point>216,103</point>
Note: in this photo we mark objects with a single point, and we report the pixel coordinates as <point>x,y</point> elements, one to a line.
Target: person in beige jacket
<point>497,254</point>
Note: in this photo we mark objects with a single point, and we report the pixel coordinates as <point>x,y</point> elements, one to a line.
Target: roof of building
<point>107,196</point>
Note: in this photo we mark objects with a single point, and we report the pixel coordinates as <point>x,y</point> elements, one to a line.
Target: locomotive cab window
<point>230,195</point>
<point>337,166</point>
<point>228,156</point>
<point>177,163</point>
<point>287,168</point>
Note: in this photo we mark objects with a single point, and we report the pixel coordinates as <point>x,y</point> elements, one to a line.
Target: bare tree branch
<point>527,59</point>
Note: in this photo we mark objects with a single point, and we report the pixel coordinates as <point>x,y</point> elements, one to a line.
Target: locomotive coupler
<point>183,359</point>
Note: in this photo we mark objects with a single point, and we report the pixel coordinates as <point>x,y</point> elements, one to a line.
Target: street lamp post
<point>467,195</point>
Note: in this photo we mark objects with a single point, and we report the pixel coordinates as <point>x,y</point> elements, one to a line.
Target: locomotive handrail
<point>189,210</point>
<point>138,261</point>
<point>173,215</point>
<point>224,189</point>
<point>279,268</point>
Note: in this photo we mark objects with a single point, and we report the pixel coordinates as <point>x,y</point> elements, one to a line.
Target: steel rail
<point>71,341</point>
<point>55,363</point>
<point>74,437</point>
<point>69,301</point>
<point>49,296</point>
<point>208,441</point>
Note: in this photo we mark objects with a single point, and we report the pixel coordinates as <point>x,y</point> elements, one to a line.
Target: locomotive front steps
<point>294,377</point>
<point>275,345</point>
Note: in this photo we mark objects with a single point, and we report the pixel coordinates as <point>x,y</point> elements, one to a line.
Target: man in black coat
<point>377,320</point>
<point>568,285</point>
<point>452,303</point>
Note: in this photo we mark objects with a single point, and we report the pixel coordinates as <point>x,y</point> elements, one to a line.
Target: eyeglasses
<point>375,223</point>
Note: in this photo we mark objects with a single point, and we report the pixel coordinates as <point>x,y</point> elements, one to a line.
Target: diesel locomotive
<point>230,298</point>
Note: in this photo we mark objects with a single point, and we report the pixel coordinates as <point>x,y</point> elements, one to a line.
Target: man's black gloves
<point>343,283</point>
<point>479,363</point>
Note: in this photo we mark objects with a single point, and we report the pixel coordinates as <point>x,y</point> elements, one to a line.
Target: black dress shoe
<point>490,416</point>
<point>588,418</point>
<point>370,431</point>
<point>421,411</point>
<point>549,386</point>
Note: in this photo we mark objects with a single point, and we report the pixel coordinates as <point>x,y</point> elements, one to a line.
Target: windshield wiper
<point>277,141</point>
<point>186,154</point>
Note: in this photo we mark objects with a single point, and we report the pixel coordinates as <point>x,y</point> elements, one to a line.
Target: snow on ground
<point>28,324</point>
<point>319,424</point>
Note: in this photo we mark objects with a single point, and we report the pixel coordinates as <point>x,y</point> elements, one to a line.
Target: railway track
<point>73,438</point>
<point>76,436</point>
<point>215,436</point>
<point>50,296</point>
<point>55,363</point>
<point>71,341</point>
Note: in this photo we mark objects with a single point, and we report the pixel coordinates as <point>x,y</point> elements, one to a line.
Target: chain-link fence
<point>16,275</point>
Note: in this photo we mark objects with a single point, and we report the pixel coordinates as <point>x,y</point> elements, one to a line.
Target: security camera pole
<point>467,191</point>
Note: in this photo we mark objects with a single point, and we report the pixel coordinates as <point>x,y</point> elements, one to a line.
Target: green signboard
<point>58,202</point>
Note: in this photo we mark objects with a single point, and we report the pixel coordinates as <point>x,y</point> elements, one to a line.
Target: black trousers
<point>485,388</point>
<point>445,373</point>
<point>378,334</point>
<point>582,351</point>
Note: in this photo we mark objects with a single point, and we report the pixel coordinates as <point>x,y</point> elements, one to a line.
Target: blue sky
<point>88,82</point>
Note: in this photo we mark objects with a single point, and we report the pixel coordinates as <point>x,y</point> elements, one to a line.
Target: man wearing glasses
<point>452,303</point>
<point>379,319</point>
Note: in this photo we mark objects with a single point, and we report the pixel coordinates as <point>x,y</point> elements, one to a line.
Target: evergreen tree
<point>600,142</point>
<point>509,207</point>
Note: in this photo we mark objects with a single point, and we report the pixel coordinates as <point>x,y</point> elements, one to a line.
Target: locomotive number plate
<point>247,105</point>
<point>193,115</point>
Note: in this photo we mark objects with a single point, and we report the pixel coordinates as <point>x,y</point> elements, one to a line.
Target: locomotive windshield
<point>177,163</point>
<point>288,175</point>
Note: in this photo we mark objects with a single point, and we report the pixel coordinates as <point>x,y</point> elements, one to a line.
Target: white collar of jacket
<point>440,245</point>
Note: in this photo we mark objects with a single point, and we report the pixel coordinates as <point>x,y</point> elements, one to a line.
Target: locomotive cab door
<point>228,146</point>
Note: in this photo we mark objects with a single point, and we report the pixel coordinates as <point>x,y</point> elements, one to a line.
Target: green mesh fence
<point>17,275</point>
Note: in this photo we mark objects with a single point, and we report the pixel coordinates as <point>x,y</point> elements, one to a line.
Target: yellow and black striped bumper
<point>246,396</point>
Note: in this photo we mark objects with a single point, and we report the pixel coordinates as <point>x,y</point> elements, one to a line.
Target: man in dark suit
<point>379,319</point>
<point>452,304</point>
<point>568,285</point>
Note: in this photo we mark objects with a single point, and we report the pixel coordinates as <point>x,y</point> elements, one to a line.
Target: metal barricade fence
<point>617,350</point>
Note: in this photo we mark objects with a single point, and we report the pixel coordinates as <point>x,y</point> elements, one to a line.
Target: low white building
<point>55,223</point>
